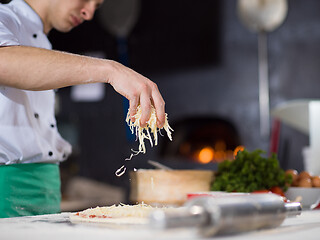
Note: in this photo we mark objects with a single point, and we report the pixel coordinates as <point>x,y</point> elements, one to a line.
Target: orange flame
<point>206,155</point>
<point>209,154</point>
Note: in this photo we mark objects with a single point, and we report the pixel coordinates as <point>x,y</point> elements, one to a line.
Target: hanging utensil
<point>263,16</point>
<point>119,17</point>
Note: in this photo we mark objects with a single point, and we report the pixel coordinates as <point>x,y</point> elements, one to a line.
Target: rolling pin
<point>227,215</point>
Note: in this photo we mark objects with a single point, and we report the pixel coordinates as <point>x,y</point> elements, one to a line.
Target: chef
<point>30,145</point>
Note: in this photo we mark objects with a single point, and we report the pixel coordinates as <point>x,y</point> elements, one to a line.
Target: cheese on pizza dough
<point>118,214</point>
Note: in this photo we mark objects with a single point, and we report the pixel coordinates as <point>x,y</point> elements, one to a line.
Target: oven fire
<point>209,154</point>
<point>203,140</point>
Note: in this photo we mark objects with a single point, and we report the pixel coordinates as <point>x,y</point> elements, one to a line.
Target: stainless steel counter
<point>57,226</point>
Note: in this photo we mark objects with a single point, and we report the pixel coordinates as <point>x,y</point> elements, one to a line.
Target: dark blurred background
<point>167,38</point>
<point>205,63</point>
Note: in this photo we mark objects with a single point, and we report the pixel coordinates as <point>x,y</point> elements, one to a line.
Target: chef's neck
<point>41,8</point>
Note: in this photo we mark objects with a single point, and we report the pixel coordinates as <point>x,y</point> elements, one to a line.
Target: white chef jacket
<point>28,130</point>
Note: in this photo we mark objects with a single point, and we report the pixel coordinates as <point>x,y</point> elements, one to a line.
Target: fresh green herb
<point>249,172</point>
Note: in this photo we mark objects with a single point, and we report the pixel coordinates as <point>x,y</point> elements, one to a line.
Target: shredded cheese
<point>143,133</point>
<point>121,214</point>
<point>117,211</point>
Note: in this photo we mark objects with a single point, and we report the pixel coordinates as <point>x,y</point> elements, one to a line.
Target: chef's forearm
<point>32,68</point>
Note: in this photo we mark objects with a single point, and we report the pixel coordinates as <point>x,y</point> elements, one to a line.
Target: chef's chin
<point>64,29</point>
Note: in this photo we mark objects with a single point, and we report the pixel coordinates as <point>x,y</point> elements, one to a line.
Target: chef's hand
<point>139,90</point>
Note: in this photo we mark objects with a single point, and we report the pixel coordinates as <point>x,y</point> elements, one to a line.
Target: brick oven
<point>201,140</point>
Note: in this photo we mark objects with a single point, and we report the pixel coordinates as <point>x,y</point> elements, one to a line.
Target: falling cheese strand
<point>144,133</point>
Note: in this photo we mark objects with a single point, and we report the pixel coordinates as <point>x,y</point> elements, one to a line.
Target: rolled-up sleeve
<point>9,28</point>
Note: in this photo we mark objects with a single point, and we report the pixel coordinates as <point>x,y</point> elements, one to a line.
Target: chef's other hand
<point>139,90</point>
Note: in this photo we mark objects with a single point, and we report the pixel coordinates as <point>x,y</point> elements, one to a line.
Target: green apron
<point>29,189</point>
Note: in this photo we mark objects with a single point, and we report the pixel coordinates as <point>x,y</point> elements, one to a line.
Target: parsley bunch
<point>249,172</point>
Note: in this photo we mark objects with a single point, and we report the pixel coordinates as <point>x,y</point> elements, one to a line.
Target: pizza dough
<point>116,214</point>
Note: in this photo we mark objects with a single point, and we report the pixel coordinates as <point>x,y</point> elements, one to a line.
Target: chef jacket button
<point>34,35</point>
<point>64,155</point>
<point>52,125</point>
<point>50,153</point>
<point>36,115</point>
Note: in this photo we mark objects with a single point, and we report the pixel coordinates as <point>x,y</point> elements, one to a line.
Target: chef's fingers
<point>159,105</point>
<point>145,104</point>
<point>133,104</point>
